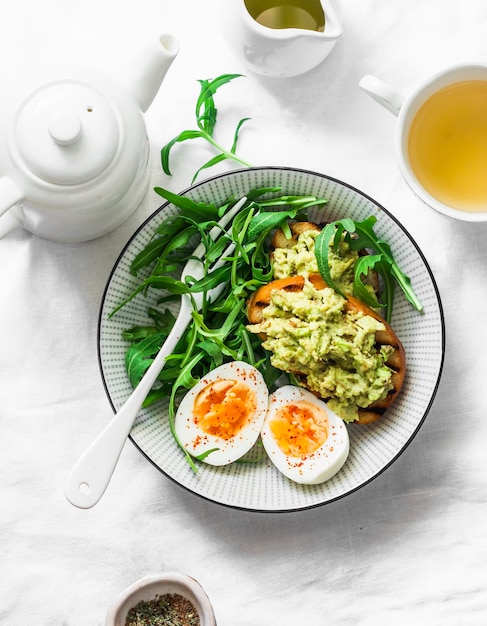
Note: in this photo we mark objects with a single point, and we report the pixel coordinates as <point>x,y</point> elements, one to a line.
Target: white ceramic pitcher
<point>281,38</point>
<point>74,149</point>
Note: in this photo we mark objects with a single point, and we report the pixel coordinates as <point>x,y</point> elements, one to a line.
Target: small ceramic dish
<point>156,585</point>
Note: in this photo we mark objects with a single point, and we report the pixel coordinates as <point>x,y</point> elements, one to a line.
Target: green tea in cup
<point>447,145</point>
<point>441,138</point>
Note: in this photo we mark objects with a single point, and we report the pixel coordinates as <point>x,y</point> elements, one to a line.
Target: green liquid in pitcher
<point>304,14</point>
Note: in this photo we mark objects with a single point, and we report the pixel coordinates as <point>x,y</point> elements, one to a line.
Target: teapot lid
<point>65,132</point>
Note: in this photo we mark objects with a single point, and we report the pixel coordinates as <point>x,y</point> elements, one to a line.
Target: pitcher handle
<point>382,93</point>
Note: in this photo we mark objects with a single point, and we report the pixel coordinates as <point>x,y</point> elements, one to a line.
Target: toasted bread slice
<point>281,241</point>
<point>397,360</point>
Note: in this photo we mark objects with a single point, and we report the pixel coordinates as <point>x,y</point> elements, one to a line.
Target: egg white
<point>198,442</point>
<point>315,467</point>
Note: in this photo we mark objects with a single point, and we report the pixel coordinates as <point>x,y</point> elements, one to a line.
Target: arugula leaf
<point>331,231</point>
<point>213,161</point>
<point>150,253</point>
<point>233,149</point>
<point>139,356</point>
<point>263,222</point>
<point>158,282</point>
<point>185,135</point>
<point>363,266</point>
<point>163,322</point>
<point>206,119</point>
<point>361,235</point>
<point>137,333</point>
<point>367,238</point>
<point>190,207</point>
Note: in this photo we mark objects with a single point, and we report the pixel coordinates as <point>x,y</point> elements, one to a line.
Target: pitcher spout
<point>144,74</point>
<point>333,28</point>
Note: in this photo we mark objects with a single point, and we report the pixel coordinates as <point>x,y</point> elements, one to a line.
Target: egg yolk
<point>299,428</point>
<point>224,407</point>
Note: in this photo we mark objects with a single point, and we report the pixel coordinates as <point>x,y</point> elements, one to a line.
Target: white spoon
<point>90,476</point>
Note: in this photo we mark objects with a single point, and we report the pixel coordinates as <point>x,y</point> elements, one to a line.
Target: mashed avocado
<point>300,260</point>
<point>310,334</point>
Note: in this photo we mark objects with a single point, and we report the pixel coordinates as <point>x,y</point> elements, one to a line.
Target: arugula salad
<point>217,333</point>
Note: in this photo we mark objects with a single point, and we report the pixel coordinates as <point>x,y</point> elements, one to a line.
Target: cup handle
<point>382,93</point>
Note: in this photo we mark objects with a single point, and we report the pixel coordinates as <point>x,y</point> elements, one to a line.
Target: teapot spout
<point>143,76</point>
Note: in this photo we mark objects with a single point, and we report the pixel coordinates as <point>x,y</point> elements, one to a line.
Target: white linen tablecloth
<point>408,548</point>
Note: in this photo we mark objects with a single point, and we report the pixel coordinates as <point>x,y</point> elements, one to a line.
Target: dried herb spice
<point>170,609</point>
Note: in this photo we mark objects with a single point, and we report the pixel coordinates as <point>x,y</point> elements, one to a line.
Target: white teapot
<point>74,151</point>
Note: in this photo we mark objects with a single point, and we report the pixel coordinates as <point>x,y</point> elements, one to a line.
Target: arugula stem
<point>206,117</point>
<point>228,155</point>
<point>404,284</point>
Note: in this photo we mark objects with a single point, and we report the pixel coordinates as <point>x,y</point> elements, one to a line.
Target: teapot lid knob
<point>65,128</point>
<point>66,133</point>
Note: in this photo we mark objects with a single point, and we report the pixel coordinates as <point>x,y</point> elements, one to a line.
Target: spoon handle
<point>90,476</point>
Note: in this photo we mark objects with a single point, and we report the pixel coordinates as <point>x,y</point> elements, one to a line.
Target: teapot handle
<point>382,93</point>
<point>10,195</point>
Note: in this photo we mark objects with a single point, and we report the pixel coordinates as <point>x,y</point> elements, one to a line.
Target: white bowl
<point>259,486</point>
<point>149,587</point>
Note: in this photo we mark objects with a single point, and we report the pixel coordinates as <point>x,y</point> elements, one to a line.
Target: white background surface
<point>410,547</point>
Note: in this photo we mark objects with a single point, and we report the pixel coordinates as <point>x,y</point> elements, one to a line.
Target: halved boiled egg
<point>304,438</point>
<point>223,412</point>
